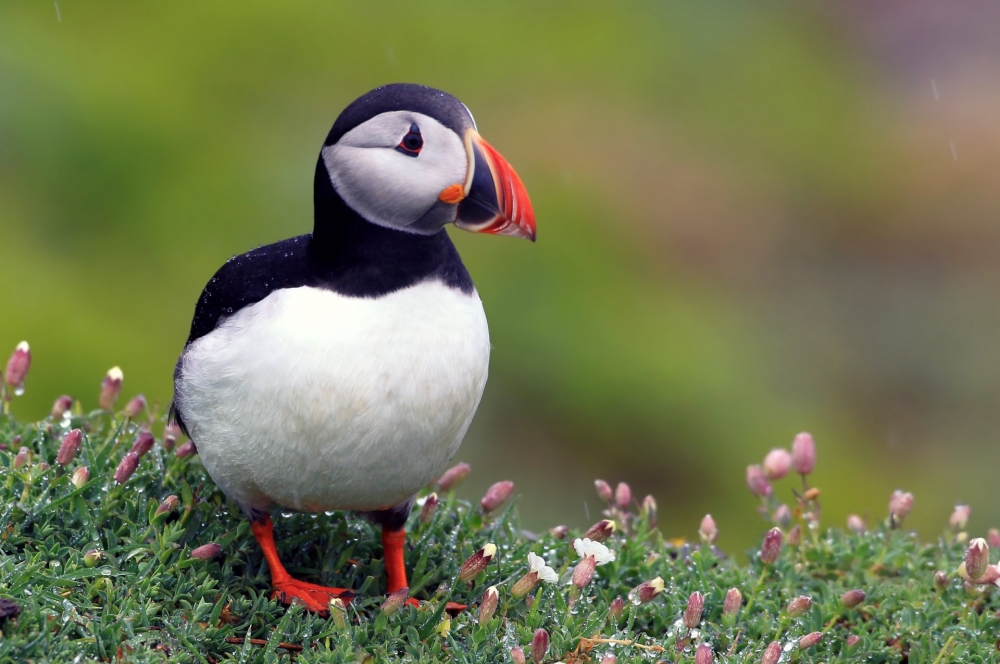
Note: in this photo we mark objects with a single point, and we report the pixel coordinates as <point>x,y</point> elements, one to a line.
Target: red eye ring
<point>412,143</point>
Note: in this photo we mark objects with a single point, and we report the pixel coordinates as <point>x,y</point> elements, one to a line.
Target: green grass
<point>147,599</point>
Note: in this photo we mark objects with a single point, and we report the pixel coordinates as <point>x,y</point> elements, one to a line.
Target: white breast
<point>319,401</point>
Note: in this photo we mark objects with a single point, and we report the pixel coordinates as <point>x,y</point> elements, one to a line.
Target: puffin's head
<point>409,157</point>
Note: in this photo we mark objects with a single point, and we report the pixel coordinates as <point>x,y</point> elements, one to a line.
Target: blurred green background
<point>752,220</point>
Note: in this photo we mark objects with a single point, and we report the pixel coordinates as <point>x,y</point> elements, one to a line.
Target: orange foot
<point>314,597</point>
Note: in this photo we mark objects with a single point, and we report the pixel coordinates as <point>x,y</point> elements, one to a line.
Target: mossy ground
<point>148,599</point>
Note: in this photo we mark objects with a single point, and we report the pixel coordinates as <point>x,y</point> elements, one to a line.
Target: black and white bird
<point>341,369</point>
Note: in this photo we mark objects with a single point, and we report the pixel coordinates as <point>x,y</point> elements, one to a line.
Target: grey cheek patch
<point>437,216</point>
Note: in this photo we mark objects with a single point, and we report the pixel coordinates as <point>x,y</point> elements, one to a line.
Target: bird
<point>341,369</point>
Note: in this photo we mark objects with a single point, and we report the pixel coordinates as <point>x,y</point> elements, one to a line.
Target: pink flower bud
<point>488,605</point>
<point>69,447</point>
<point>583,573</point>
<point>91,558</point>
<point>127,466</point>
<point>799,606</point>
<point>168,505</point>
<point>617,608</point>
<point>772,653</point>
<point>395,601</point>
<point>477,562</point>
<point>809,640</point>
<point>21,458</point>
<point>61,406</point>
<point>111,387</point>
<point>852,640</point>
<point>692,613</point>
<point>707,529</point>
<point>794,536</point>
<point>771,547</point>
<point>783,516</point>
<point>43,466</point>
<point>428,508</point>
<point>852,598</point>
<point>900,505</point>
<point>143,443</point>
<point>610,659</point>
<point>454,475</point>
<point>977,558</point>
<point>491,599</point>
<point>600,531</point>
<point>539,645</point>
<point>777,464</point>
<point>803,453</point>
<point>136,405</point>
<point>524,585</point>
<point>171,433</point>
<point>960,517</point>
<point>623,495</point>
<point>517,655</point>
<point>186,450</point>
<point>646,591</point>
<point>17,366</point>
<point>206,551</point>
<point>649,509</point>
<point>80,476</point>
<point>560,532</point>
<point>993,538</point>
<point>703,655</point>
<point>856,524</point>
<point>991,575</point>
<point>757,483</point>
<point>604,490</point>
<point>496,495</point>
<point>732,602</point>
<point>940,580</point>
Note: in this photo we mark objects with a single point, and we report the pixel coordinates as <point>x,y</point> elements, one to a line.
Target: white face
<point>391,187</point>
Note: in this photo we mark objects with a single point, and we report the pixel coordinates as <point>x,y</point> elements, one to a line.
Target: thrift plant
<point>115,545</point>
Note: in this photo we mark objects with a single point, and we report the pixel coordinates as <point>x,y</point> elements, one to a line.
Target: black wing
<point>244,280</point>
<point>247,279</point>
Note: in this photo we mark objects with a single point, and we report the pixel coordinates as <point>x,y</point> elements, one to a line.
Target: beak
<point>494,200</point>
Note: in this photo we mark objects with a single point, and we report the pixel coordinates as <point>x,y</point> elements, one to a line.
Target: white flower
<point>585,547</point>
<point>545,573</point>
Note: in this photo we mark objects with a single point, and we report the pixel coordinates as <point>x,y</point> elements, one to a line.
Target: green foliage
<point>685,161</point>
<point>145,598</point>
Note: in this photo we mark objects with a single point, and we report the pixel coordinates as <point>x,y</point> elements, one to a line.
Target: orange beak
<point>495,200</point>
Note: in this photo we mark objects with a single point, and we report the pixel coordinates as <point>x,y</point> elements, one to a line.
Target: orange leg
<point>393,542</point>
<point>316,598</point>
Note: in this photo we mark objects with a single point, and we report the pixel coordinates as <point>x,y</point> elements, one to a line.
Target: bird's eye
<point>412,142</point>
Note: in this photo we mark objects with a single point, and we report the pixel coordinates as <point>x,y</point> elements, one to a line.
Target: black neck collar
<point>366,259</point>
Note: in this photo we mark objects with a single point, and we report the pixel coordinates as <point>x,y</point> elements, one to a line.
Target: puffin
<point>340,369</point>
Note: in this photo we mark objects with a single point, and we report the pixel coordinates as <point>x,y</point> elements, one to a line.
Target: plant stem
<point>944,649</point>
<point>756,590</point>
